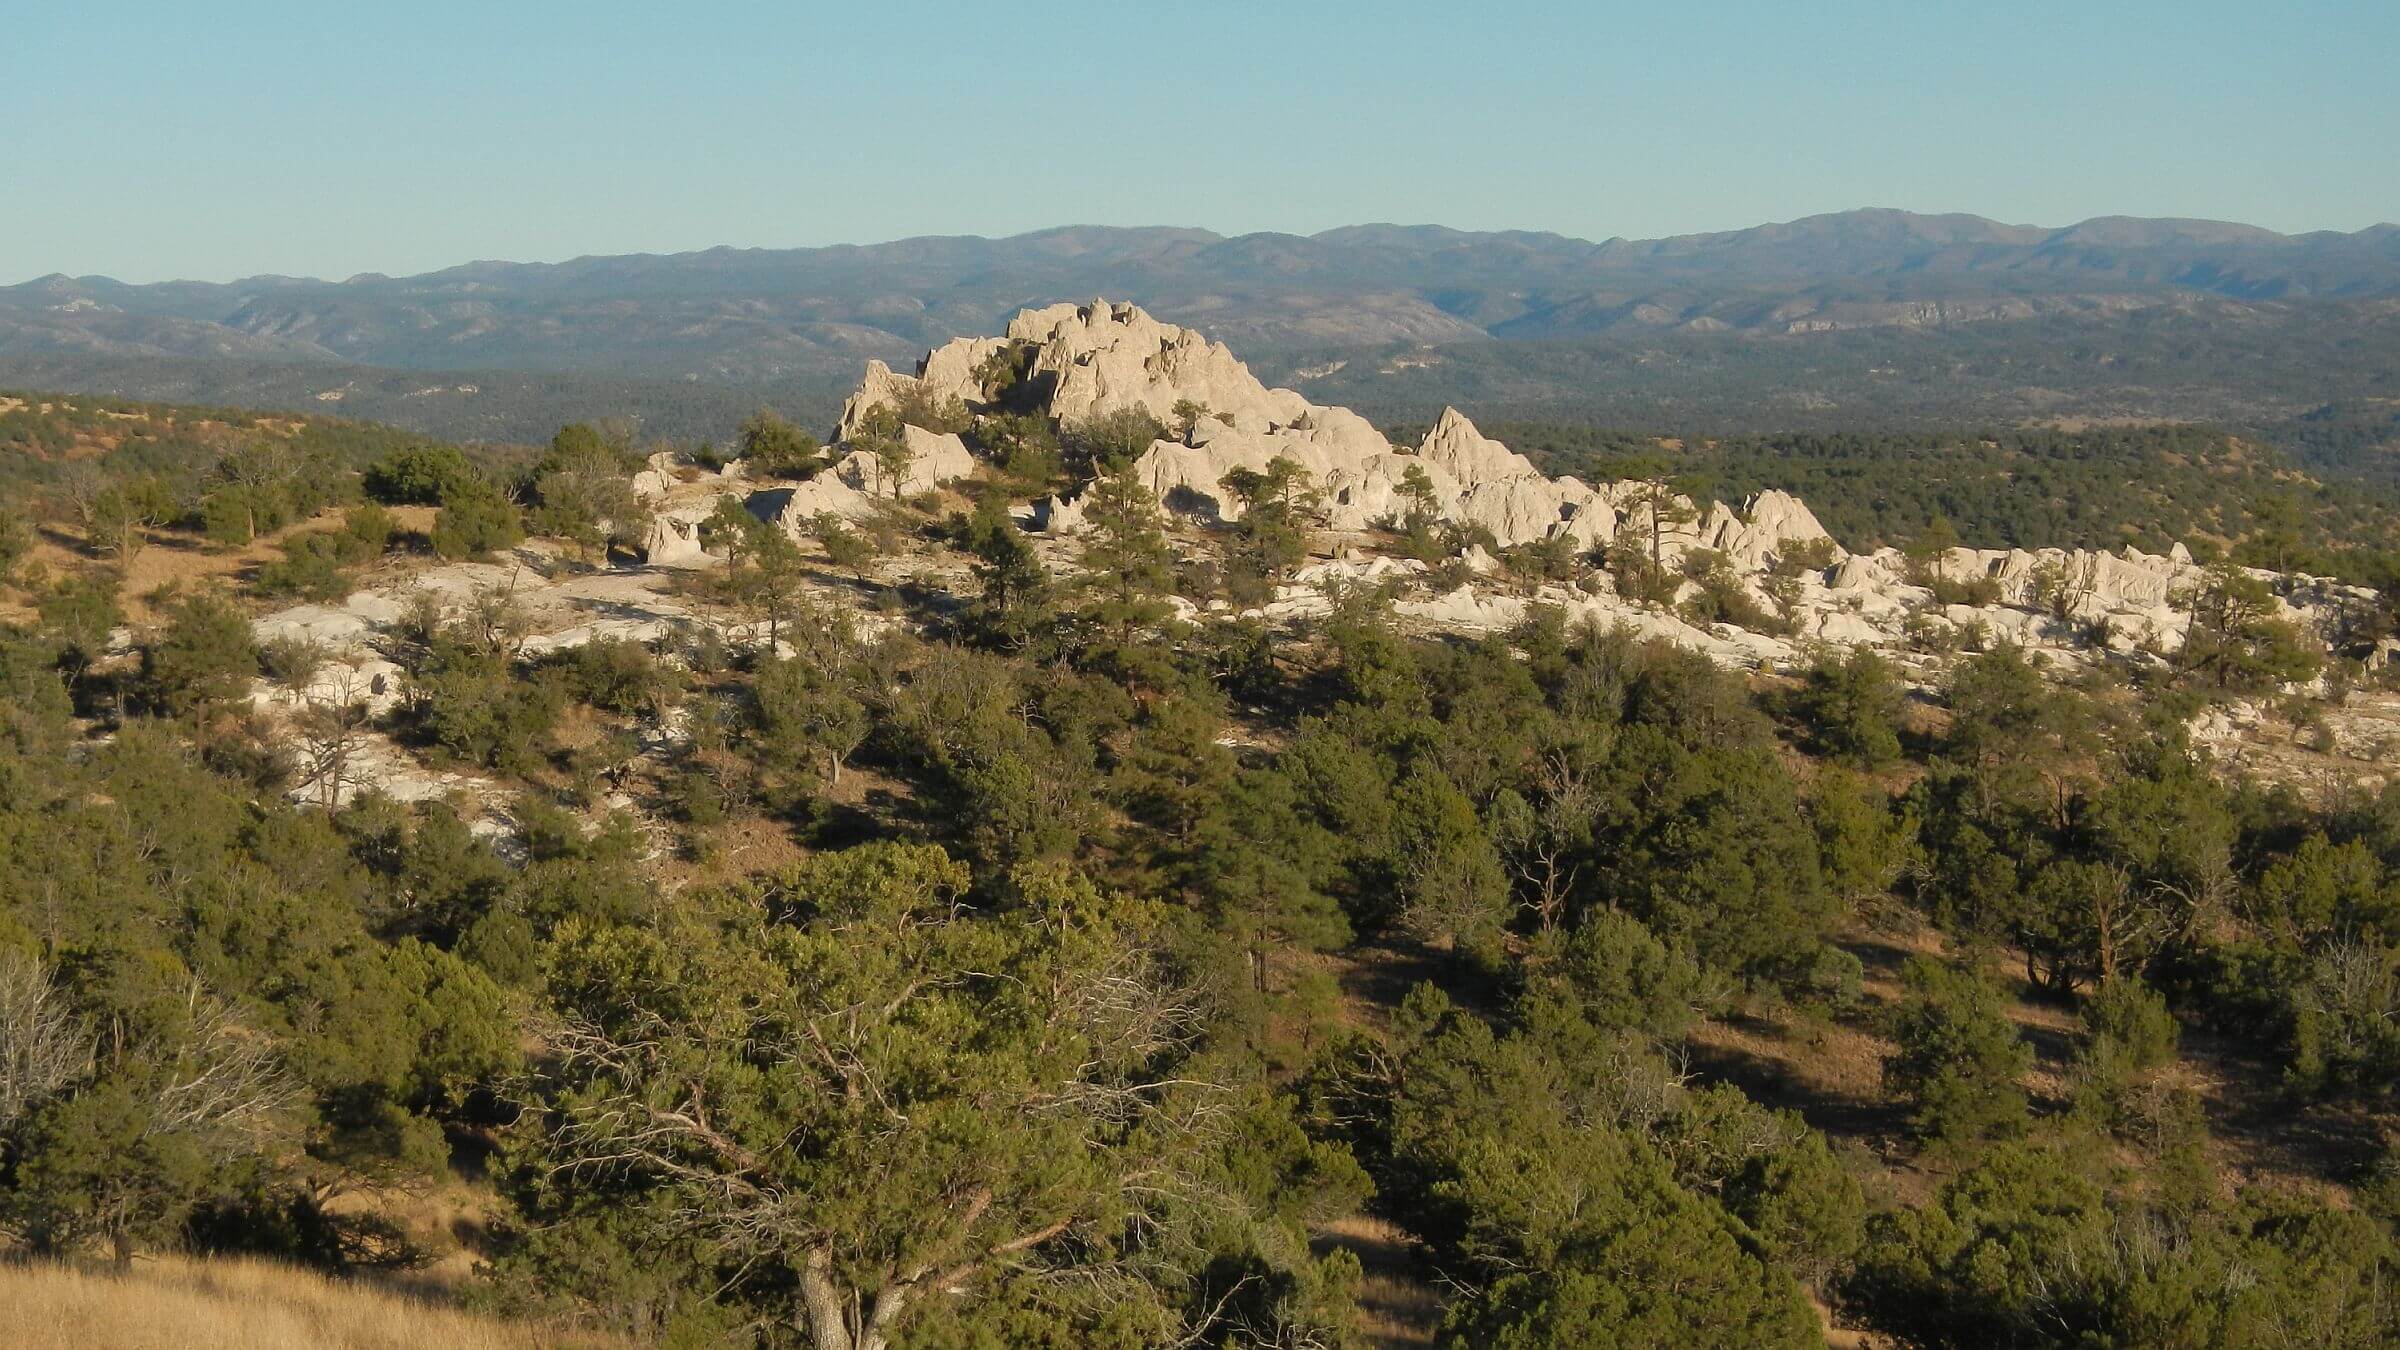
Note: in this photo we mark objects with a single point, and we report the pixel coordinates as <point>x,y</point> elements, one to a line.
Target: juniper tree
<point>1956,1058</point>
<point>772,447</point>
<point>777,1096</point>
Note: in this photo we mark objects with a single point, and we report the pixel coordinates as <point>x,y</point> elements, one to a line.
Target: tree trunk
<point>877,1335</point>
<point>827,1327</point>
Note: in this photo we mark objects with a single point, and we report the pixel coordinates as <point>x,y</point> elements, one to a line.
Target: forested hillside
<point>929,934</point>
<point>2100,487</point>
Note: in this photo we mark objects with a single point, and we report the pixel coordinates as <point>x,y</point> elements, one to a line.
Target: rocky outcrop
<point>947,373</point>
<point>1455,446</point>
<point>851,489</point>
<point>1104,358</point>
<point>1084,360</point>
<point>1764,530</point>
<point>1088,359</point>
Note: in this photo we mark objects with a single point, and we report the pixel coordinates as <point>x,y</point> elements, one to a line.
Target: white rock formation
<point>672,539</point>
<point>1088,359</point>
<point>657,479</point>
<point>854,485</point>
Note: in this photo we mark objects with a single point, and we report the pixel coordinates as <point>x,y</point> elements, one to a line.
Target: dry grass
<point>237,1305</point>
<point>1396,1309</point>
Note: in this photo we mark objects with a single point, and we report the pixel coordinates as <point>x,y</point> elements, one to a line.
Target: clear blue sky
<point>148,141</point>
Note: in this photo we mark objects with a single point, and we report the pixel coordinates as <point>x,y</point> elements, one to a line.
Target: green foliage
<point>2130,1031</point>
<point>1850,703</point>
<point>1611,973</point>
<point>204,656</point>
<point>1128,573</point>
<point>124,512</point>
<point>16,540</point>
<point>1450,882</point>
<point>76,613</point>
<point>763,566</point>
<point>476,521</point>
<point>1863,844</point>
<point>846,548</point>
<point>218,1027</point>
<point>468,697</point>
<point>808,713</point>
<point>1018,789</point>
<point>2025,1249</point>
<point>2235,643</point>
<point>1025,446</point>
<point>315,566</point>
<point>1955,1056</point>
<point>1566,1227</point>
<point>1271,538</point>
<point>1714,851</point>
<point>1106,443</point>
<point>1015,601</point>
<point>771,447</point>
<point>1262,867</point>
<point>1076,1005</point>
<point>621,676</point>
<point>1719,595</point>
<point>263,485</point>
<point>1802,1204</point>
<point>846,1155</point>
<point>583,492</point>
<point>421,475</point>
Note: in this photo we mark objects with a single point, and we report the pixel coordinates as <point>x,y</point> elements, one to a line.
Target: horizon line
<point>1213,236</point>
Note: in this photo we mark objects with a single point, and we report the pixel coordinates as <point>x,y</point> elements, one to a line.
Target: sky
<point>158,141</point>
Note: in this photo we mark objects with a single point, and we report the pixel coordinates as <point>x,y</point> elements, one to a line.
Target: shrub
<point>421,475</point>
<point>477,521</point>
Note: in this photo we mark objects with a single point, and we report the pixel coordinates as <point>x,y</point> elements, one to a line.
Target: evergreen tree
<point>1015,587</point>
<point>1956,1058</point>
<point>1128,573</point>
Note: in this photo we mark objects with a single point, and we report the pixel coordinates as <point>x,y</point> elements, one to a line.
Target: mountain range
<point>805,319</point>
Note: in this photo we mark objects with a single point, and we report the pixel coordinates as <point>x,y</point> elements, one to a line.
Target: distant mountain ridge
<point>750,315</point>
<point>1869,317</point>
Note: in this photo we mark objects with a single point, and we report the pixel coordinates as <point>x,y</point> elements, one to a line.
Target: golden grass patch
<point>177,1304</point>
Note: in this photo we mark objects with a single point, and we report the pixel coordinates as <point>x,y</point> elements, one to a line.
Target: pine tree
<point>1128,573</point>
<point>1016,586</point>
<point>1260,872</point>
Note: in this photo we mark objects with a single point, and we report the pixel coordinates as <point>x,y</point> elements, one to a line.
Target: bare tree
<point>258,468</point>
<point>498,620</point>
<point>228,1078</point>
<point>44,1047</point>
<point>78,487</point>
<point>331,730</point>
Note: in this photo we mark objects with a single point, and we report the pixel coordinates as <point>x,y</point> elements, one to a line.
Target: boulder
<point>658,479</point>
<point>671,540</point>
<point>934,458</point>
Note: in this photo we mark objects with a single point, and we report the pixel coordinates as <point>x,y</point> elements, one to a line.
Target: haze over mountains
<point>802,319</point>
